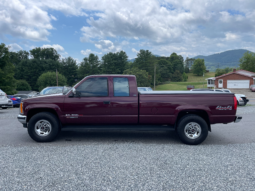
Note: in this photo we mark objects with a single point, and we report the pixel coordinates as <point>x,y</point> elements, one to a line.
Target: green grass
<point>196,81</point>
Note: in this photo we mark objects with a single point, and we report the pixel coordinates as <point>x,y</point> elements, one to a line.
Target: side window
<point>94,87</point>
<point>120,87</point>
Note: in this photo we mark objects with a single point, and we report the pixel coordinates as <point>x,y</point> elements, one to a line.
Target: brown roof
<point>236,72</point>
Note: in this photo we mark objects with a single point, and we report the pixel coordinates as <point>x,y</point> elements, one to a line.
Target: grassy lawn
<point>196,81</point>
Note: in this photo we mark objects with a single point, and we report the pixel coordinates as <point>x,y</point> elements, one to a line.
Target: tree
<point>44,54</point>
<point>146,61</point>
<point>114,63</point>
<point>177,62</point>
<point>184,77</point>
<point>7,80</point>
<point>177,76</point>
<point>49,79</point>
<point>220,72</point>
<point>17,57</point>
<point>165,69</point>
<point>198,68</point>
<point>68,68</point>
<point>247,62</point>
<point>186,69</point>
<point>22,85</point>
<point>89,66</point>
<point>142,77</point>
<point>31,69</point>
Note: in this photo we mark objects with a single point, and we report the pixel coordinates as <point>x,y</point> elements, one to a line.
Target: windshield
<point>51,90</point>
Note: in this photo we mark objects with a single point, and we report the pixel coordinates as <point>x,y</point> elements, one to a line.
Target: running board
<point>120,127</point>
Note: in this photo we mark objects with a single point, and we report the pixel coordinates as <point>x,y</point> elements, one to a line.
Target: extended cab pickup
<point>113,102</point>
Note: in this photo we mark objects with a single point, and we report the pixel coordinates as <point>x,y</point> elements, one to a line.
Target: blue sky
<point>77,28</point>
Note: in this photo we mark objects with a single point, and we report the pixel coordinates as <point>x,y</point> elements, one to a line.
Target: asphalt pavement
<point>121,160</point>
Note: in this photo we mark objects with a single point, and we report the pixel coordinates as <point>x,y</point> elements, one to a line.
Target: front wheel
<point>192,129</point>
<point>43,127</point>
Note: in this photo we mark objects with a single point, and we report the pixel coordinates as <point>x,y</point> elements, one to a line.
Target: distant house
<point>211,82</point>
<point>238,79</point>
<point>189,62</point>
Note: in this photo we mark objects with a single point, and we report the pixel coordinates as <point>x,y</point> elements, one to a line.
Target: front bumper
<point>6,105</point>
<point>22,119</point>
<point>241,102</point>
<point>238,119</point>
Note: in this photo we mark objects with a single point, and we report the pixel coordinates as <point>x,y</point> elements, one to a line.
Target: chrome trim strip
<point>181,92</point>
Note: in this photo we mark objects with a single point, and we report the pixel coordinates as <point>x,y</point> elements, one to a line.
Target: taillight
<point>14,99</point>
<point>235,103</point>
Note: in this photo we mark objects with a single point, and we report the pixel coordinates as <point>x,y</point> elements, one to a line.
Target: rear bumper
<point>238,119</point>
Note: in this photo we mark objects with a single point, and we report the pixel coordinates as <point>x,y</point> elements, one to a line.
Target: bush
<point>184,77</point>
<point>142,76</point>
<point>22,85</point>
<point>49,79</point>
<point>177,77</point>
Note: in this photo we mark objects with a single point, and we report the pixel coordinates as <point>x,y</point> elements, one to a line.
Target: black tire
<point>49,117</point>
<point>185,120</point>
<point>4,107</point>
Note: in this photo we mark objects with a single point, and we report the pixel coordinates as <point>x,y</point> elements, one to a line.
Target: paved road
<point>128,160</point>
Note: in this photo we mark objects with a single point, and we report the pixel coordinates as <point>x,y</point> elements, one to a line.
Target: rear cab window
<point>120,87</point>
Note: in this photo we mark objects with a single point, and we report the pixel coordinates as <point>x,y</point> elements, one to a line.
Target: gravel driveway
<point>119,160</point>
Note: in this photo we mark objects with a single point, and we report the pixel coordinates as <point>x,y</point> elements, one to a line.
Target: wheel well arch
<point>32,112</point>
<point>203,114</point>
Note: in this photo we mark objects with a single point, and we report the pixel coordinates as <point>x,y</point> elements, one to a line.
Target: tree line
<point>23,70</point>
<point>36,69</point>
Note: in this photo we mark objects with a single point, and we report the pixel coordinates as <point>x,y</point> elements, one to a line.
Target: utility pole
<point>204,79</point>
<point>57,76</point>
<point>154,75</point>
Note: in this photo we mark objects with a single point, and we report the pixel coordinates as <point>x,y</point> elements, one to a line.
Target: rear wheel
<point>192,129</point>
<point>4,107</point>
<point>43,127</point>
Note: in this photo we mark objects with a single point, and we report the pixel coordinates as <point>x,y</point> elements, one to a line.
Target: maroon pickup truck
<point>113,102</point>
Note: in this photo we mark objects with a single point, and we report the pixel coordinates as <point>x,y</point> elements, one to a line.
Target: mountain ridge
<point>229,58</point>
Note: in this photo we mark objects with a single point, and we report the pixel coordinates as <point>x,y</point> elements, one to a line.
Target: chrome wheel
<point>192,130</point>
<point>43,128</point>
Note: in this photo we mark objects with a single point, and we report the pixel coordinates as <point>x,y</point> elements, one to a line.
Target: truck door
<point>124,100</point>
<point>92,106</point>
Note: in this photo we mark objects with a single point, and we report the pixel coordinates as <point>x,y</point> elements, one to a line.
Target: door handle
<point>107,102</point>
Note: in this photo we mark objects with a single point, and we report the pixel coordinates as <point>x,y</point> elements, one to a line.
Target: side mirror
<point>74,91</point>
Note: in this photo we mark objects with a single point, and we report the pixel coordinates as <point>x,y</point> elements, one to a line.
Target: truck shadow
<point>83,136</point>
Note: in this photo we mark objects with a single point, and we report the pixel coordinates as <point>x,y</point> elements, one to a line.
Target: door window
<point>94,87</point>
<point>120,87</point>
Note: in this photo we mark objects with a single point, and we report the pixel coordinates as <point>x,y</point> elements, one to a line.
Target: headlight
<point>21,108</point>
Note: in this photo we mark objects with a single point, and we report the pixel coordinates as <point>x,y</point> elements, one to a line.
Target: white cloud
<point>107,46</point>
<point>88,51</point>
<point>23,20</point>
<point>14,47</point>
<point>231,36</point>
<point>53,18</point>
<point>134,50</point>
<point>58,48</point>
